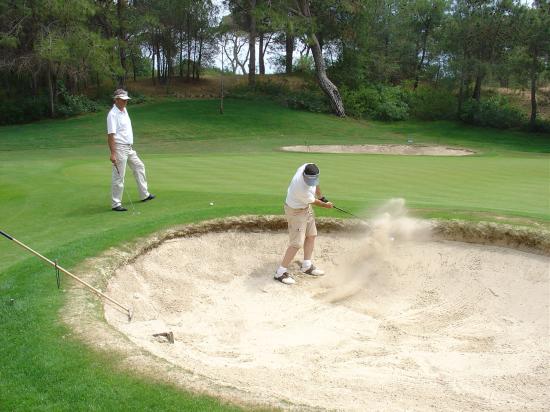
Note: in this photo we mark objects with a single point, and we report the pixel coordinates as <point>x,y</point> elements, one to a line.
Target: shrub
<point>74,104</point>
<point>137,98</point>
<point>493,112</point>
<point>428,103</point>
<point>304,64</point>
<point>263,88</point>
<point>376,102</point>
<point>541,126</point>
<point>309,100</point>
<point>23,110</point>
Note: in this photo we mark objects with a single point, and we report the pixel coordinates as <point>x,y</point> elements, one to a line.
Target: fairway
<point>55,196</point>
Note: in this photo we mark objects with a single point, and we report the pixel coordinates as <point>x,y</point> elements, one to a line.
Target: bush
<point>137,98</point>
<point>74,104</point>
<point>23,110</point>
<point>494,112</point>
<point>428,103</point>
<point>304,64</point>
<point>376,102</point>
<point>308,100</point>
<point>263,88</point>
<point>541,126</point>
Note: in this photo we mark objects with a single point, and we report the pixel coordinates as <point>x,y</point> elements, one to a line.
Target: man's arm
<point>111,141</point>
<point>318,193</point>
<point>318,201</point>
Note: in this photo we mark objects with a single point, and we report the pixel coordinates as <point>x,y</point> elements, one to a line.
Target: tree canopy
<point>54,48</point>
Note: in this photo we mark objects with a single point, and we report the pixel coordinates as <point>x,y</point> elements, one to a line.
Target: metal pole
<point>68,273</point>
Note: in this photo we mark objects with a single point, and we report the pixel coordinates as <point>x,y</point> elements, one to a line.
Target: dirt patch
<point>403,318</point>
<point>388,149</point>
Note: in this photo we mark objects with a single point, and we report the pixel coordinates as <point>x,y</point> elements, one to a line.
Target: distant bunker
<point>449,315</point>
<point>388,149</point>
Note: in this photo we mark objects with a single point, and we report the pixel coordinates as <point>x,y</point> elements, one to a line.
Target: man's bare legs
<point>289,255</point>
<point>307,267</point>
<point>309,244</point>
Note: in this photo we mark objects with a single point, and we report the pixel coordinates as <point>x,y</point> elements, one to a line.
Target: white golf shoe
<point>285,278</point>
<point>313,271</point>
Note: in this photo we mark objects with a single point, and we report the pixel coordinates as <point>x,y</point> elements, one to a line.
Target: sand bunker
<point>389,149</point>
<point>400,321</point>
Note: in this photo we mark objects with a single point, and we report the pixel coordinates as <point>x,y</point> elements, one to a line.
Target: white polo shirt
<point>300,195</point>
<point>119,123</point>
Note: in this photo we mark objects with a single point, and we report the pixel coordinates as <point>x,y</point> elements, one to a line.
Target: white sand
<point>407,324</point>
<point>389,149</point>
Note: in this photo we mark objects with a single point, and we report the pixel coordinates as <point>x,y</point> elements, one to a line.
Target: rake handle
<point>66,272</point>
<point>6,235</point>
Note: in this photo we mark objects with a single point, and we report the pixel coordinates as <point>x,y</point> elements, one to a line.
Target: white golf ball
<point>211,203</point>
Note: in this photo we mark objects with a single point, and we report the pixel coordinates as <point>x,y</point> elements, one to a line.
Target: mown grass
<point>54,195</point>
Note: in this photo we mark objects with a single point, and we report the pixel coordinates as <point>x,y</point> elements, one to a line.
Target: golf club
<point>128,311</point>
<point>127,194</point>
<point>351,214</point>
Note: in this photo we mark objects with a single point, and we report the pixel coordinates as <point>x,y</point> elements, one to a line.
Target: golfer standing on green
<point>121,138</point>
<point>303,192</point>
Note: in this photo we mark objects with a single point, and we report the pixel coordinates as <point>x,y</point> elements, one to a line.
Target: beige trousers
<point>301,223</point>
<point>125,154</point>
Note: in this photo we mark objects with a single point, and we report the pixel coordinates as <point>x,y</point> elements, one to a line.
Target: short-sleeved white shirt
<point>119,123</point>
<point>299,194</point>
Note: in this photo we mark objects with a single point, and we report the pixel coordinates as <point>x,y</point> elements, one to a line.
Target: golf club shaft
<point>345,211</point>
<point>127,195</point>
<point>66,272</point>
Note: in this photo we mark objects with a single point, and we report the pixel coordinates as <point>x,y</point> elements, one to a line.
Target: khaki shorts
<point>301,223</point>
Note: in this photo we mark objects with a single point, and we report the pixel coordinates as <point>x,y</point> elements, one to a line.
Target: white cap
<point>121,94</point>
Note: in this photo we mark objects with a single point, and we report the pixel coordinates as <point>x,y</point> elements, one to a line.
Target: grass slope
<point>54,195</point>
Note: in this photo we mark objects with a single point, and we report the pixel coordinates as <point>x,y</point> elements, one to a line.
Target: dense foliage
<point>380,59</point>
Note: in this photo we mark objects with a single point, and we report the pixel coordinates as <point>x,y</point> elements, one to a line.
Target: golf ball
<point>211,203</point>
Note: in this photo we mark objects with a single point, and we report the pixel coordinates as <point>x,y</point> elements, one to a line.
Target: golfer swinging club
<point>303,192</point>
<point>121,139</point>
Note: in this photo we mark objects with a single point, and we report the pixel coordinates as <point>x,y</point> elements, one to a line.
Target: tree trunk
<point>181,54</point>
<point>50,90</point>
<point>261,56</point>
<point>252,43</point>
<point>97,83</point>
<point>120,11</point>
<point>533,118</point>
<point>326,85</point>
<point>169,61</point>
<point>460,93</point>
<point>242,66</point>
<point>421,62</point>
<point>153,64</point>
<point>158,64</point>
<point>477,88</point>
<point>188,47</point>
<point>199,60</point>
<point>194,56</point>
<point>133,57</point>
<point>289,51</point>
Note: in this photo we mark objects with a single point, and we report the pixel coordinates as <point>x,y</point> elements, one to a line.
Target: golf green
<point>55,196</point>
